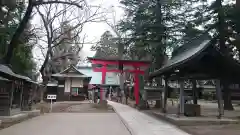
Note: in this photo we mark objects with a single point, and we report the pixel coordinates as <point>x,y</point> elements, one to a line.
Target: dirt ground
<point>66,107</point>
<point>208,109</point>
<point>213,129</point>
<point>70,124</point>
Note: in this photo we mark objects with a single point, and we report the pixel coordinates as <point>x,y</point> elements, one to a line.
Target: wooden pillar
<point>25,96</point>
<point>12,87</point>
<point>30,96</point>
<point>219,98</point>
<point>5,99</point>
<point>70,87</point>
<point>21,94</point>
<point>194,91</point>
<point>164,95</point>
<point>181,97</point>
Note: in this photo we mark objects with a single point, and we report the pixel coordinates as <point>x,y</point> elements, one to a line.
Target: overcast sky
<point>92,30</point>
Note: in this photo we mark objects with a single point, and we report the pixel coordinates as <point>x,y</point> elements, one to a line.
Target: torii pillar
<point>136,71</point>
<point>104,72</point>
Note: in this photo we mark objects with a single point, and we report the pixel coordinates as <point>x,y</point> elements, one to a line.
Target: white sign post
<point>51,97</point>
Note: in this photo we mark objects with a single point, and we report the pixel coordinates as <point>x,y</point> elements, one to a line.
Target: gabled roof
<point>71,71</point>
<point>8,72</point>
<point>184,54</point>
<point>200,59</point>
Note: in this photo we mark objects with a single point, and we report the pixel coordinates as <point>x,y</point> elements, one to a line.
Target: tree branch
<point>14,41</point>
<point>57,1</point>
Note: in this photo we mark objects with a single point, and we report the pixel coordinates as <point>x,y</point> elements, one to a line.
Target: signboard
<point>51,96</point>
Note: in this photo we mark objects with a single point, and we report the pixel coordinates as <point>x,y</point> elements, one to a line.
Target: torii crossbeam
<point>120,63</point>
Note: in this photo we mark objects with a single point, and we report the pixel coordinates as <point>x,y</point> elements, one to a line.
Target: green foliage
<point>153,28</point>
<point>157,27</point>
<point>21,61</point>
<point>106,46</point>
<point>218,19</point>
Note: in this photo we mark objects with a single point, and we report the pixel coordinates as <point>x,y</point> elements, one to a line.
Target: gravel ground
<point>213,129</point>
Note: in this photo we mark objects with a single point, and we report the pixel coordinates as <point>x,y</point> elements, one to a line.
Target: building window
<point>75,91</point>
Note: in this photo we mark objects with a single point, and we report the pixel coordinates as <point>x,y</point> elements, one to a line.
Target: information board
<point>51,96</point>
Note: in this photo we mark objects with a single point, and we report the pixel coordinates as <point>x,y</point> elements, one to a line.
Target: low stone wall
<point>6,121</point>
<point>33,113</point>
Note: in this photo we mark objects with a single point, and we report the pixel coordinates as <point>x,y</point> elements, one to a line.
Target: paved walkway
<point>139,123</point>
<point>70,124</point>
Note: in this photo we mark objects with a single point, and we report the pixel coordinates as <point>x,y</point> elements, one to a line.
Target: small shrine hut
<point>199,59</point>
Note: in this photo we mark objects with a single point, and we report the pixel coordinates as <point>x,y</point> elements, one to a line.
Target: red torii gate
<point>120,63</point>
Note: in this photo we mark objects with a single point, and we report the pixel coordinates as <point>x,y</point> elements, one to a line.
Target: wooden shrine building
<point>15,92</point>
<point>71,84</point>
<point>199,59</point>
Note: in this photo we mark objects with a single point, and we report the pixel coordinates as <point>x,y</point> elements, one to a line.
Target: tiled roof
<point>67,73</point>
<point>6,70</point>
<point>184,54</point>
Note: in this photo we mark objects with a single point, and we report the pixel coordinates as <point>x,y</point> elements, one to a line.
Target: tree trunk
<point>221,28</point>
<point>227,97</point>
<point>44,89</point>
<point>14,41</point>
<point>224,50</point>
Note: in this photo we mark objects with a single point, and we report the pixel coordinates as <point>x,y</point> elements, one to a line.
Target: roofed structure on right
<point>199,59</point>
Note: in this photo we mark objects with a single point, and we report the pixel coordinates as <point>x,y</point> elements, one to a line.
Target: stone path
<point>139,123</point>
<point>70,124</point>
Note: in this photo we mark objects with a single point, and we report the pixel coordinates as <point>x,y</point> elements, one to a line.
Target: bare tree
<point>22,25</point>
<point>63,27</point>
<point>62,38</point>
<point>50,13</point>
